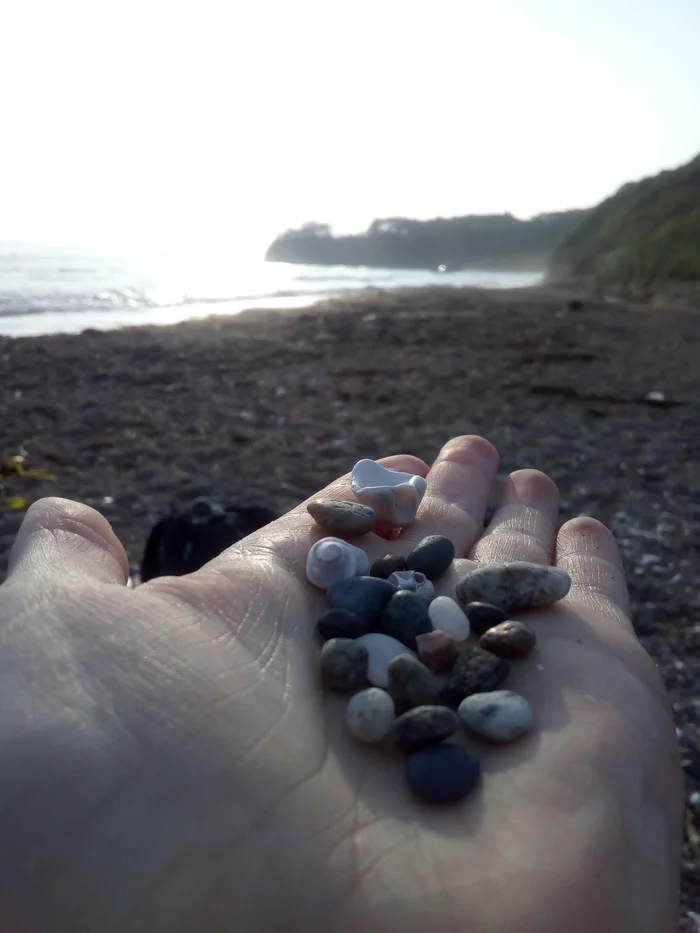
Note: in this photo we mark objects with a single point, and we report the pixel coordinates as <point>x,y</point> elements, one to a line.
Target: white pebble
<point>332,559</point>
<point>500,715</point>
<point>447,616</point>
<point>370,715</point>
<point>382,650</point>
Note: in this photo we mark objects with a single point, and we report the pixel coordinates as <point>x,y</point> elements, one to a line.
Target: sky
<point>218,124</point>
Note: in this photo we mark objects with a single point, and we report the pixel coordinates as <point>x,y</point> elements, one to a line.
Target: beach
<point>268,406</point>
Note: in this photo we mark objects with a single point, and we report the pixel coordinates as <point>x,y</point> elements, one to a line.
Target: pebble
<point>344,664</point>
<point>502,715</point>
<point>366,597</point>
<point>382,650</point>
<point>483,616</point>
<point>404,617</point>
<point>424,725</point>
<point>431,556</point>
<point>370,715</point>
<point>442,774</point>
<point>447,616</point>
<point>345,518</point>
<point>509,640</point>
<point>411,684</point>
<point>394,496</point>
<point>475,671</point>
<point>337,623</point>
<point>385,566</point>
<point>514,586</point>
<point>438,651</point>
<point>414,582</point>
<point>332,559</point>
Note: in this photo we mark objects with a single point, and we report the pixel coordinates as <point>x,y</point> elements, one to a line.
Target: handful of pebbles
<point>404,654</point>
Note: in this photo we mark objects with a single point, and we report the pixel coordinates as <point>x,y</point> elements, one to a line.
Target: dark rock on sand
<point>442,774</point>
<point>483,616</point>
<point>431,556</point>
<point>405,616</point>
<point>385,566</point>
<point>424,725</point>
<point>365,597</point>
<point>475,671</point>
<point>509,639</point>
<point>344,664</point>
<point>338,623</point>
<point>411,684</point>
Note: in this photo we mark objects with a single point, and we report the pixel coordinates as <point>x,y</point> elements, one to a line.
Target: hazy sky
<point>165,123</point>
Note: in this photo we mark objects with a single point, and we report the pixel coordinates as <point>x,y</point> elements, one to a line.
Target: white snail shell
<point>394,496</point>
<point>332,559</point>
<point>415,581</point>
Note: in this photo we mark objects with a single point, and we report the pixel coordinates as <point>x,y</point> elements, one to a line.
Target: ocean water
<point>47,290</point>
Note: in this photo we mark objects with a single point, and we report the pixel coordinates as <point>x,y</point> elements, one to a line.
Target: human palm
<point>170,764</point>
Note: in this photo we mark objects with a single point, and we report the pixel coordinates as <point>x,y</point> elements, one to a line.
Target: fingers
<point>67,539</point>
<point>524,524</point>
<point>459,484</point>
<point>587,550</point>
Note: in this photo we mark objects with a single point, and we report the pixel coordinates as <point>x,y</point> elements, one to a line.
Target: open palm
<point>169,762</point>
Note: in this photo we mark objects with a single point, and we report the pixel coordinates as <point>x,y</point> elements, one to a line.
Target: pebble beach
<point>266,407</point>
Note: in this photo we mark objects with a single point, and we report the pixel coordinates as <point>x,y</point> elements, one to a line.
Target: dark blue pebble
<point>365,597</point>
<point>405,617</point>
<point>431,556</point>
<point>337,623</point>
<point>483,616</point>
<point>442,773</point>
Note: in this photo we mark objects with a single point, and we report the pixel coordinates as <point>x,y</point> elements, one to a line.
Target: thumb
<point>67,539</point>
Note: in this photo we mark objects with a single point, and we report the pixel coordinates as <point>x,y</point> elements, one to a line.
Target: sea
<point>60,289</point>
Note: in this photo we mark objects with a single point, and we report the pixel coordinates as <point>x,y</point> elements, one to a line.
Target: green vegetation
<point>646,233</point>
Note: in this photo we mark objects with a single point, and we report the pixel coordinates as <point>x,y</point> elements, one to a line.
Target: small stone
<point>365,597</point>
<point>509,639</point>
<point>337,623</point>
<point>431,556</point>
<point>502,715</point>
<point>442,774</point>
<point>404,617</point>
<point>385,566</point>
<point>382,651</point>
<point>341,517</point>
<point>424,725</point>
<point>370,715</point>
<point>395,496</point>
<point>438,651</point>
<point>514,586</point>
<point>483,616</point>
<point>447,616</point>
<point>413,582</point>
<point>475,671</point>
<point>411,684</point>
<point>344,664</point>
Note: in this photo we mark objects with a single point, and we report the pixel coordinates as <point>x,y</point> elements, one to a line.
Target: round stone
<point>438,651</point>
<point>442,774</point>
<point>411,684</point>
<point>382,650</point>
<point>501,715</point>
<point>337,623</point>
<point>475,671</point>
<point>509,639</point>
<point>447,616</point>
<point>385,566</point>
<point>483,616</point>
<point>431,556</point>
<point>365,597</point>
<point>405,616</point>
<point>370,715</point>
<point>344,664</point>
<point>424,725</point>
<point>514,586</point>
<point>341,517</point>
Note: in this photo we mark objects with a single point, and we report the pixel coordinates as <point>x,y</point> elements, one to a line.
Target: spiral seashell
<point>394,496</point>
<point>332,559</point>
<point>414,581</point>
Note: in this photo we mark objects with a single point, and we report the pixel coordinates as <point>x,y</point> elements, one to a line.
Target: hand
<point>170,764</point>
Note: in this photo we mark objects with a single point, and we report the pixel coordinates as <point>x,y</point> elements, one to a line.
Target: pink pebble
<point>438,651</point>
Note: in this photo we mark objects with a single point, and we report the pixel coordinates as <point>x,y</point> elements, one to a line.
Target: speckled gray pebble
<point>370,715</point>
<point>337,623</point>
<point>411,684</point>
<point>341,517</point>
<point>501,715</point>
<point>475,671</point>
<point>483,616</point>
<point>509,639</point>
<point>344,664</point>
<point>431,556</point>
<point>514,586</point>
<point>424,725</point>
<point>441,774</point>
<point>404,617</point>
<point>385,566</point>
<point>366,597</point>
